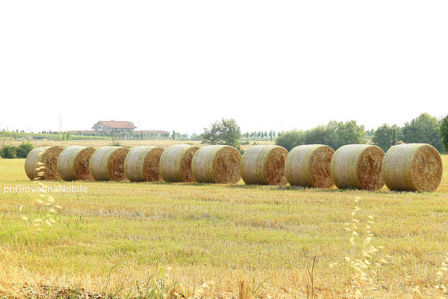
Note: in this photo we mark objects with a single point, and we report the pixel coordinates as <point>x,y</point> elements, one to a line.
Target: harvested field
<point>115,237</point>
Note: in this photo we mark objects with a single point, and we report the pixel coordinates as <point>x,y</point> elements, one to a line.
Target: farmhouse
<point>114,127</point>
<point>122,128</point>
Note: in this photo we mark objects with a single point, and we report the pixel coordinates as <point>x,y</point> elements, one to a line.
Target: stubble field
<point>149,239</point>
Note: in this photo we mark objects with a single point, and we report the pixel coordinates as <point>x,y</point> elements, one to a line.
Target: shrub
<point>291,139</point>
<point>24,149</point>
<point>8,152</point>
<point>322,135</point>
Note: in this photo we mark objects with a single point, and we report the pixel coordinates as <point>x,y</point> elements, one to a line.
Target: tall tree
<point>444,131</point>
<point>387,136</point>
<point>423,129</point>
<point>350,133</point>
<point>225,131</point>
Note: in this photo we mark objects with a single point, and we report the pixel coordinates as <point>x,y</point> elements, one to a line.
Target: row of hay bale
<point>406,167</point>
<point>177,163</point>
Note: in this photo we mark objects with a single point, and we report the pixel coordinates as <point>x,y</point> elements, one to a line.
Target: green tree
<point>444,131</point>
<point>348,133</point>
<point>423,129</point>
<point>225,131</point>
<point>335,134</point>
<point>24,149</point>
<point>322,135</point>
<point>370,133</point>
<point>291,139</point>
<point>212,135</point>
<point>8,152</point>
<point>386,136</point>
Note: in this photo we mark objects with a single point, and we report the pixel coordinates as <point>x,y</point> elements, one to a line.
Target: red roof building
<point>123,129</point>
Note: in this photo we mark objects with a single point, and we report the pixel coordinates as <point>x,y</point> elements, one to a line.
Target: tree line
<point>422,129</point>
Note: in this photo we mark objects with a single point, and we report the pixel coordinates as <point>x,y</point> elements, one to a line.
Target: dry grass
<point>152,238</point>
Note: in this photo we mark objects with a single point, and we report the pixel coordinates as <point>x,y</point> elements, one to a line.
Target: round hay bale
<point>107,163</point>
<point>309,166</point>
<point>41,163</point>
<point>412,167</point>
<point>142,164</point>
<point>217,164</point>
<point>357,166</point>
<point>73,163</point>
<point>264,165</point>
<point>175,163</point>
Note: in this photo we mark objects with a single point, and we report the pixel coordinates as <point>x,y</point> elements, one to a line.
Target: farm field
<point>130,239</point>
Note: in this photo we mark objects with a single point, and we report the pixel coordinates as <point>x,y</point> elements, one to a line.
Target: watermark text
<point>44,189</point>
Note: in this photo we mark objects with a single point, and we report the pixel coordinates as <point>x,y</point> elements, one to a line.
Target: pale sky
<point>271,65</point>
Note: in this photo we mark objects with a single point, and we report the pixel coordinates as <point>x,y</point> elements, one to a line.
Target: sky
<point>180,65</point>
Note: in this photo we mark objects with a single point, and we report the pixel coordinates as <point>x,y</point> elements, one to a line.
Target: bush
<point>322,135</point>
<point>291,139</point>
<point>13,152</point>
<point>8,152</point>
<point>24,149</point>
